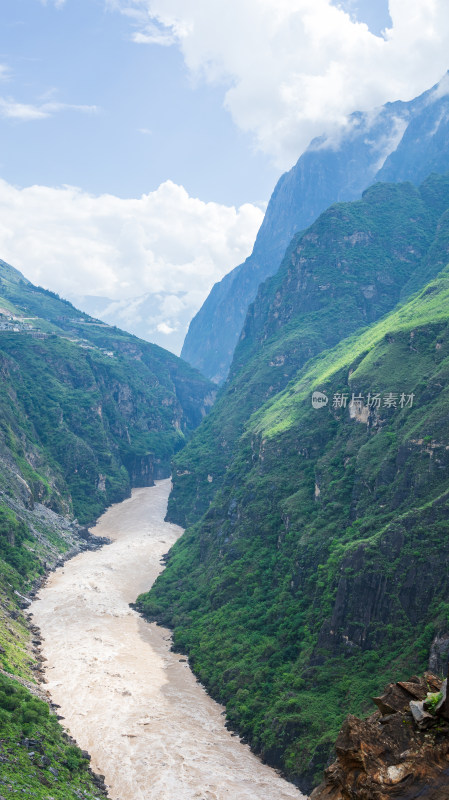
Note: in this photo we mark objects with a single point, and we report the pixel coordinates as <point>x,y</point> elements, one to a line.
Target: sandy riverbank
<point>150,727</point>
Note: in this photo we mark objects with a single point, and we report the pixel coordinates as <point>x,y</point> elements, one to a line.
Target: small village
<point>9,323</point>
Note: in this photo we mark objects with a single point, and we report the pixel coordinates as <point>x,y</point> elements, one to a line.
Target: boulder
<point>389,755</point>
<point>421,717</point>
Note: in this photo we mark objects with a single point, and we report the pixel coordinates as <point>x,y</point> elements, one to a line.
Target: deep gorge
<point>132,703</point>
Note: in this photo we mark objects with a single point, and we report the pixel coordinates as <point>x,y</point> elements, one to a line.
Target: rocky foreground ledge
<point>401,751</point>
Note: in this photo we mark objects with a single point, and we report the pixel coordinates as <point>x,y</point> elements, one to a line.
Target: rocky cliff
<point>396,752</point>
<point>399,142</point>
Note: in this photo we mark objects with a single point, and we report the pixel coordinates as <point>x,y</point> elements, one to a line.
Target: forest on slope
<point>348,269</point>
<point>87,410</point>
<point>314,568</point>
<point>86,413</point>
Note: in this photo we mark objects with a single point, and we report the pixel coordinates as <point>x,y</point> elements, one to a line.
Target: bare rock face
<point>388,755</point>
<point>439,653</point>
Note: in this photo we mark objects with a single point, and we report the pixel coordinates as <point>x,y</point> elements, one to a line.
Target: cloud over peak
<point>292,69</point>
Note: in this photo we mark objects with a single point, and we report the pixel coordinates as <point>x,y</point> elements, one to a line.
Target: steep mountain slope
<point>87,410</point>
<point>86,413</point>
<point>320,571</point>
<point>350,267</point>
<point>400,142</point>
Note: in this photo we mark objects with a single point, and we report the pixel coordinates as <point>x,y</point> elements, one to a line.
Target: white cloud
<point>155,257</point>
<point>145,29</point>
<point>151,34</point>
<point>165,328</point>
<point>5,72</point>
<point>55,3</point>
<point>27,112</point>
<point>292,69</point>
<point>442,90</point>
<point>387,144</point>
<point>11,109</point>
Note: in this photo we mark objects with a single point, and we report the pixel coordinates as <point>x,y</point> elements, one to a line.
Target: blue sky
<point>374,12</point>
<point>153,120</point>
<point>141,139</point>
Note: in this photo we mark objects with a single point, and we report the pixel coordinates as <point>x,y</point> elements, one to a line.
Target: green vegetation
<point>89,411</point>
<point>86,413</point>
<point>351,267</point>
<point>36,757</point>
<point>13,534</point>
<point>315,567</point>
<point>432,700</point>
<point>32,743</point>
<point>374,346</point>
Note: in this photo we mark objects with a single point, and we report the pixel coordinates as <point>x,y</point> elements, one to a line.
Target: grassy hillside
<point>320,571</point>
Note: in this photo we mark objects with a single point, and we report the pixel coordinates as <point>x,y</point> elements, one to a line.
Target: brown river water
<point>149,726</point>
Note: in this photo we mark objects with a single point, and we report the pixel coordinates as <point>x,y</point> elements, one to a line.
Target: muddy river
<point>135,706</point>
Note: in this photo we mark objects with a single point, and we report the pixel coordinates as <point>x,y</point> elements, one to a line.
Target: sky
<point>141,139</point>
